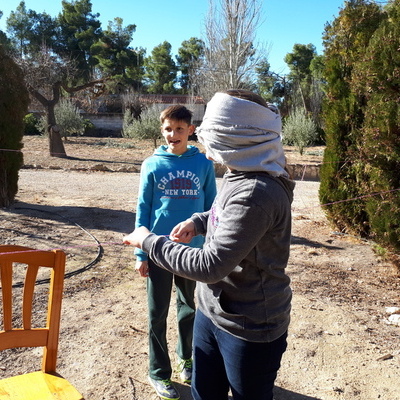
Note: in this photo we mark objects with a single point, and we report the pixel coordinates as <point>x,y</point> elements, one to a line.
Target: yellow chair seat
<point>37,385</point>
<point>45,384</point>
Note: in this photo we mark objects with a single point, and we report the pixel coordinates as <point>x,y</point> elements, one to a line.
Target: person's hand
<point>136,237</point>
<point>143,268</point>
<point>184,232</point>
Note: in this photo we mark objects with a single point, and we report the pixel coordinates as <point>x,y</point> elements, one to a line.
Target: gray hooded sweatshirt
<point>243,287</point>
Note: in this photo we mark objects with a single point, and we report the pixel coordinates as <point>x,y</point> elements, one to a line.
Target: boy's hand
<point>143,268</point>
<point>184,232</point>
<point>136,237</point>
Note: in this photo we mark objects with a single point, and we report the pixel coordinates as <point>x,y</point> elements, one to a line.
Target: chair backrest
<point>26,335</point>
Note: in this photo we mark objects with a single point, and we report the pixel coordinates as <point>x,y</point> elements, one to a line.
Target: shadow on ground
<point>283,394</point>
<point>86,217</point>
<point>279,394</point>
<point>312,243</point>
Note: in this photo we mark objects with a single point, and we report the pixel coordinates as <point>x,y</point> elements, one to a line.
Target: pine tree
<point>161,70</point>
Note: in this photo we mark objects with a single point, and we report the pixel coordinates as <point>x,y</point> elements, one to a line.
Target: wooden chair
<point>45,384</point>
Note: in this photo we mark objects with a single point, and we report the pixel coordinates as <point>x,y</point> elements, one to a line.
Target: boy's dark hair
<point>178,113</point>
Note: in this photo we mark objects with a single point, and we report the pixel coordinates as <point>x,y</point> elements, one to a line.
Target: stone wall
<point>298,172</point>
<point>303,172</point>
<point>106,124</point>
<point>110,124</point>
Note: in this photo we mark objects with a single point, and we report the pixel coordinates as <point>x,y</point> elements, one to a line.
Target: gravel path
<point>340,346</point>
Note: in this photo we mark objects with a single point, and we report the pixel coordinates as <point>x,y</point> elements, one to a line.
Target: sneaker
<point>185,370</point>
<point>164,389</point>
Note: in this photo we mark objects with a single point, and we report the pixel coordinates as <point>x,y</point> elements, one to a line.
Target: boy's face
<point>176,134</point>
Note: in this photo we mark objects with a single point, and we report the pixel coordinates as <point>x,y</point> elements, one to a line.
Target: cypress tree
<point>362,117</point>
<point>345,41</point>
<point>380,80</point>
<point>14,101</point>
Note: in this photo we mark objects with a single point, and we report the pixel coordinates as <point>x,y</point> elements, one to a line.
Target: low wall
<point>303,172</point>
<point>110,124</point>
<point>106,124</point>
<point>298,172</point>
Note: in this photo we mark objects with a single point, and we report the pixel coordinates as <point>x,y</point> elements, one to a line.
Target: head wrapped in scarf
<point>243,135</point>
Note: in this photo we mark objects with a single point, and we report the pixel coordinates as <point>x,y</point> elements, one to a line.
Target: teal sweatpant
<point>159,287</point>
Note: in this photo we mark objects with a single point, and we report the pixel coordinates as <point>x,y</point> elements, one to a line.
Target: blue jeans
<point>223,361</point>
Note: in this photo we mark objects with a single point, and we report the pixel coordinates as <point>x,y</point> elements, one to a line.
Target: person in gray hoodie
<point>243,292</point>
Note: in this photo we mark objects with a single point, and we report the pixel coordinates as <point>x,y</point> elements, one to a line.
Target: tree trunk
<point>56,144</point>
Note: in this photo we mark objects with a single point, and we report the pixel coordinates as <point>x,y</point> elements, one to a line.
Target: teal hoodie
<point>173,187</point>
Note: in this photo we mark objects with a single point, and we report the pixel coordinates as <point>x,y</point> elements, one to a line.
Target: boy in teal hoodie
<point>176,181</point>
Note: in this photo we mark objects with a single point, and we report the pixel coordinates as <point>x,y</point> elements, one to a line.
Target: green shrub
<point>68,119</point>
<point>146,127</point>
<point>299,130</point>
<point>31,127</point>
<point>88,126</point>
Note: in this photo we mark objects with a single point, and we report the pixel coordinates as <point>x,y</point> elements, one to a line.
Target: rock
<point>99,167</point>
<point>392,310</point>
<point>394,319</point>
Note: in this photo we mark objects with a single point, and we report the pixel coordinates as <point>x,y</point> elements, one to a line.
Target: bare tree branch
<point>230,52</point>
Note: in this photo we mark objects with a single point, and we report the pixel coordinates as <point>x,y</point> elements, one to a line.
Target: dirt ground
<point>341,346</point>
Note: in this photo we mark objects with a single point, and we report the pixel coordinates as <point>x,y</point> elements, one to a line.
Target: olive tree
<point>147,126</point>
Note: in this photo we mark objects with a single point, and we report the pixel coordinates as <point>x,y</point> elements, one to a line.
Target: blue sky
<point>285,22</point>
